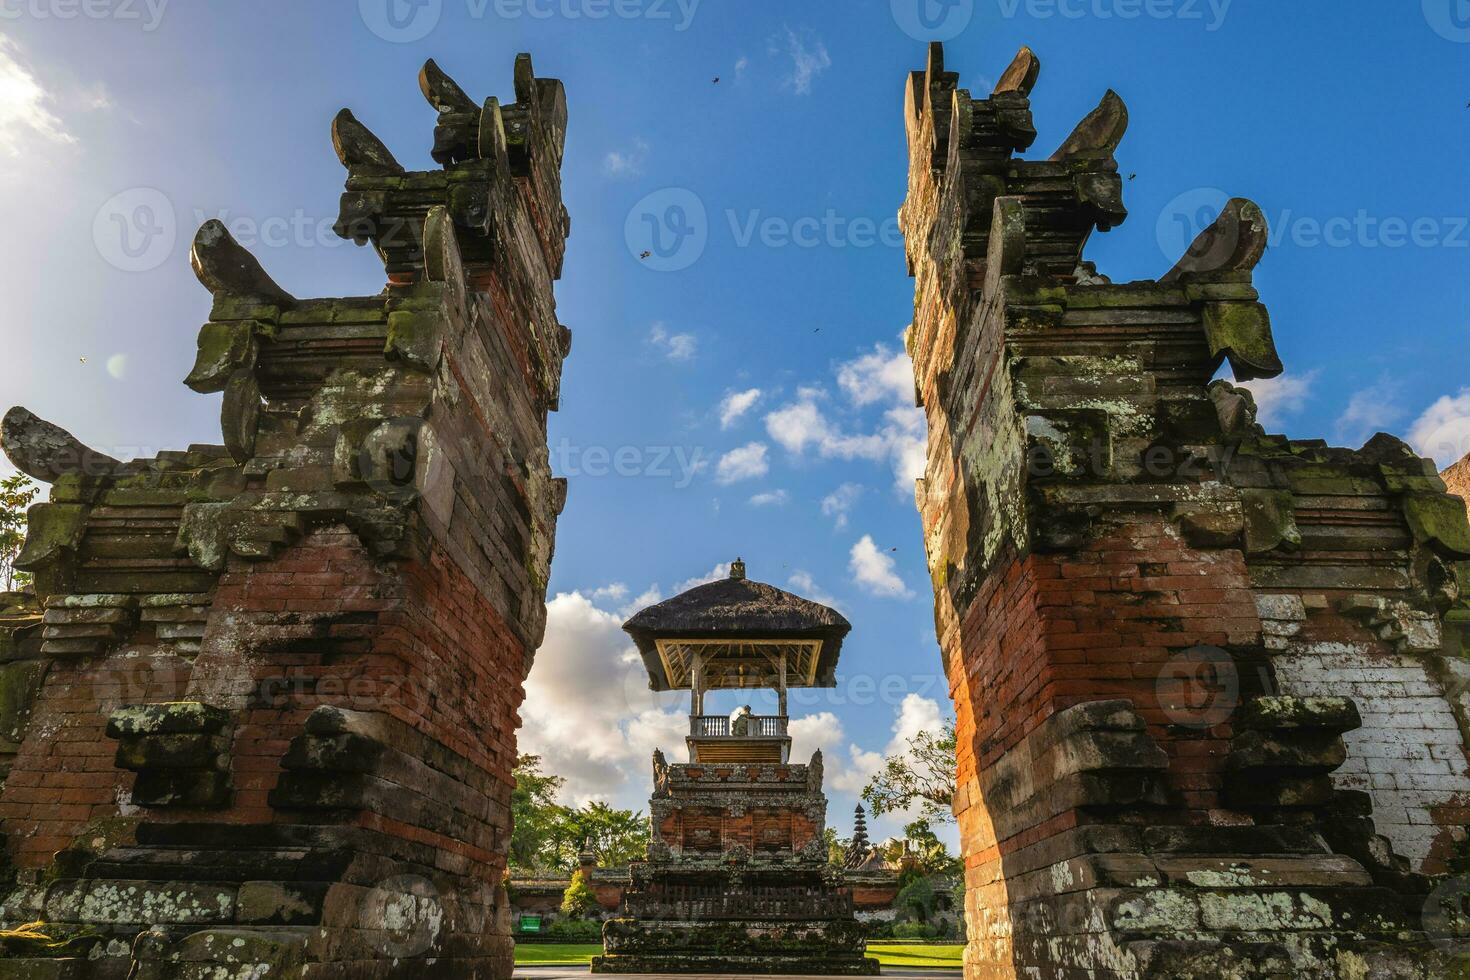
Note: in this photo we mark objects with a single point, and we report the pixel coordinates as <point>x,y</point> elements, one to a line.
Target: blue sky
<point>750,370</point>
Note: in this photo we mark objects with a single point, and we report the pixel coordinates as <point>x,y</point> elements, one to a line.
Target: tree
<point>916,901</point>
<point>578,902</point>
<point>931,854</point>
<point>550,837</point>
<point>923,776</point>
<point>16,494</point>
<point>539,820</point>
<point>836,846</point>
<point>615,836</point>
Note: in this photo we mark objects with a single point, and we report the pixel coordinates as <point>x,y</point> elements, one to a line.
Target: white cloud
<point>808,55</point>
<point>588,711</point>
<point>802,583</point>
<point>25,106</point>
<point>741,64</point>
<point>615,591</point>
<point>1443,431</point>
<point>1372,410</point>
<point>676,347</point>
<point>916,714</point>
<point>771,498</point>
<point>1281,396</point>
<point>873,571</point>
<point>849,767</point>
<point>722,570</point>
<point>839,503</point>
<point>736,404</point>
<point>880,376</point>
<point>746,463</point>
<point>628,162</point>
<point>899,440</point>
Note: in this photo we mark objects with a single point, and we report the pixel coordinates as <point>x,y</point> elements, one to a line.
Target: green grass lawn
<point>556,954</point>
<point>913,957</point>
<point>919,957</point>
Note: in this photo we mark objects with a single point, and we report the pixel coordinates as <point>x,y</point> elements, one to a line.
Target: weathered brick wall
<point>712,808</point>
<point>1110,537</point>
<point>284,673</point>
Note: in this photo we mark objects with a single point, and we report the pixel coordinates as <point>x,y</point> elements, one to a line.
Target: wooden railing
<point>718,726</point>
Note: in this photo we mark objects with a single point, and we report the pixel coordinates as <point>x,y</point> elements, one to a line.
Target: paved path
<point>581,973</point>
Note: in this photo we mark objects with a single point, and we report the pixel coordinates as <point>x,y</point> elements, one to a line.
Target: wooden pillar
<point>781,690</point>
<point>696,681</point>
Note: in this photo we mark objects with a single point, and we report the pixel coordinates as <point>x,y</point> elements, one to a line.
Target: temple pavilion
<point>737,878</point>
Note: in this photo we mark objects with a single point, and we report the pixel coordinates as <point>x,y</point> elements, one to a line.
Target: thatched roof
<point>738,608</point>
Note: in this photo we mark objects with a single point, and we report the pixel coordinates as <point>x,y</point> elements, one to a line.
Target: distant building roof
<point>736,609</point>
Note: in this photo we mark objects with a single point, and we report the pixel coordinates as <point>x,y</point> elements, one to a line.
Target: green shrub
<point>914,930</point>
<point>575,930</point>
<point>916,900</point>
<point>578,902</point>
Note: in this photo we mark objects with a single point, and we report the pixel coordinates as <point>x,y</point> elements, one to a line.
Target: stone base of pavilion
<point>749,921</point>
<point>748,947</point>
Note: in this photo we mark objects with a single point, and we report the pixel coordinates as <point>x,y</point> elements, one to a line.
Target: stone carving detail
<point>308,641</point>
<point>1104,520</point>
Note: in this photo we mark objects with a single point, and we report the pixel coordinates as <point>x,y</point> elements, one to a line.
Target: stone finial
<point>223,265</point>
<point>442,91</point>
<point>1099,133</point>
<point>48,452</point>
<point>1234,243</point>
<point>737,568</point>
<point>362,153</point>
<point>1020,77</point>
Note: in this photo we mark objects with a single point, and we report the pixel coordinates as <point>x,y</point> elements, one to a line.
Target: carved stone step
<point>234,864</point>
